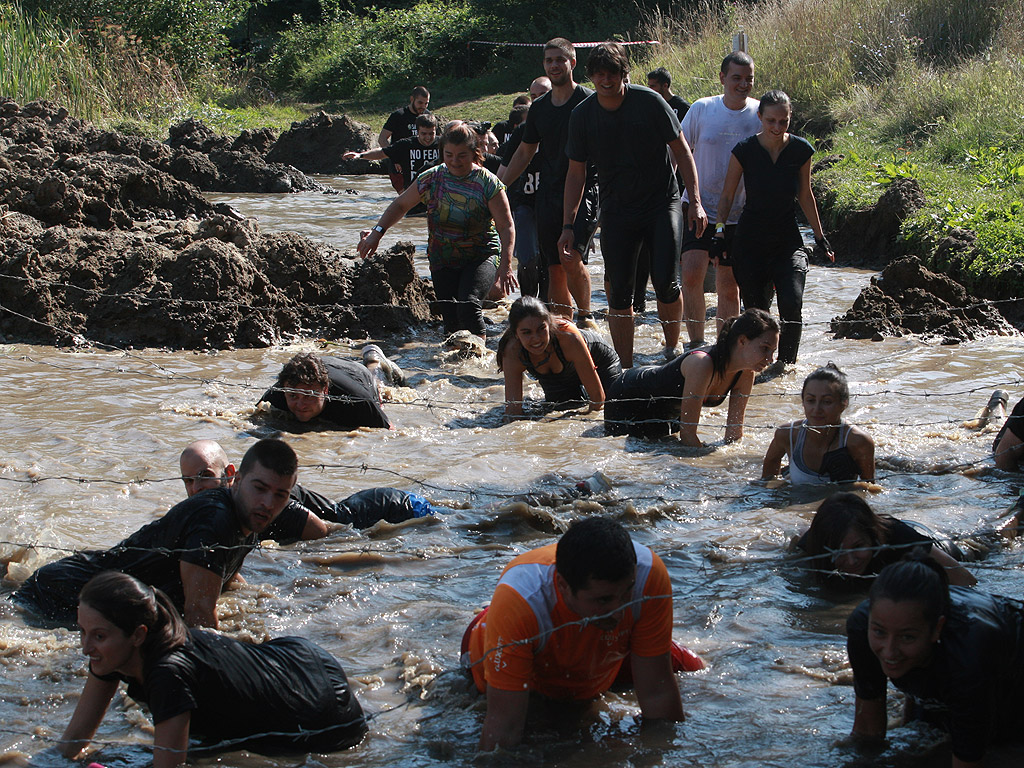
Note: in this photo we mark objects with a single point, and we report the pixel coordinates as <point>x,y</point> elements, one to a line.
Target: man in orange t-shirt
<point>562,621</point>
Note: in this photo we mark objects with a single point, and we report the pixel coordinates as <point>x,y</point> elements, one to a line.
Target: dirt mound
<point>870,236</point>
<point>317,143</point>
<point>215,283</point>
<point>907,298</point>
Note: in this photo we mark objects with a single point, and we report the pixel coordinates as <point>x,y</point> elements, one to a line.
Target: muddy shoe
<point>587,321</point>
<point>773,371</point>
<point>393,375</point>
<point>464,344</point>
<point>671,353</point>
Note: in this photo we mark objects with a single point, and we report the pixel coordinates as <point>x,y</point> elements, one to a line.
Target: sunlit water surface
<point>101,432</point>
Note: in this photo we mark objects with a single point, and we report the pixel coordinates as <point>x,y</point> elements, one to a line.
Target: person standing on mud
<point>769,250</point>
<point>411,156</point>
<point>470,233</point>
<point>522,194</point>
<point>401,124</point>
<point>545,135</point>
<point>632,136</point>
<point>712,127</point>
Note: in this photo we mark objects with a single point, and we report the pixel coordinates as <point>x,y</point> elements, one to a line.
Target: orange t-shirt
<point>521,644</point>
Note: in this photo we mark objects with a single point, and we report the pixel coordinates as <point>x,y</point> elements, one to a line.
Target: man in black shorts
<point>341,392</point>
<point>194,550</point>
<point>410,156</point>
<point>547,126</point>
<point>632,136</point>
<point>401,124</point>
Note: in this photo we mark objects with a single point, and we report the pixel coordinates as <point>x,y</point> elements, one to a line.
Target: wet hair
<point>522,308</point>
<point>561,44</point>
<point>463,134</point>
<point>774,98</point>
<point>519,112</point>
<point>307,369</point>
<point>594,548</point>
<point>608,57</point>
<point>739,58</point>
<point>522,99</point>
<point>918,579</point>
<point>750,324</point>
<point>830,373</point>
<point>420,92</point>
<point>426,121</point>
<point>836,516</point>
<point>127,603</point>
<point>273,454</point>
<point>660,75</point>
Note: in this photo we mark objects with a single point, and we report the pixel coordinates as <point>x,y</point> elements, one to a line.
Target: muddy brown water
<point>100,431</point>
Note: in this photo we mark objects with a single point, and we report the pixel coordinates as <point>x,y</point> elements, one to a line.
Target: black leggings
<point>771,271</point>
<point>460,294</point>
<point>622,239</point>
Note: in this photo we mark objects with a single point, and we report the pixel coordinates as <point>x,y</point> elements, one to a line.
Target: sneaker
<point>773,371</point>
<point>694,345</point>
<point>671,353</point>
<point>392,373</point>
<point>587,321</point>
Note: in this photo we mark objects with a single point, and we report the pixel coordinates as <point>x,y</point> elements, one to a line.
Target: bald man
<point>204,465</point>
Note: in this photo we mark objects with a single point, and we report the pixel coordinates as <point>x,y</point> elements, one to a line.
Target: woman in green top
<point>471,236</point>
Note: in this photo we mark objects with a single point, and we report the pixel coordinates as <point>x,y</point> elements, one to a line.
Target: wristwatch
<point>378,229</point>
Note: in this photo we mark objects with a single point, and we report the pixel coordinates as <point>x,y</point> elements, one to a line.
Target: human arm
<point>738,397</point>
<point>1009,451</point>
<point>688,168</point>
<point>400,206</point>
<point>575,179</point>
<point>170,741</point>
<point>777,449</point>
<point>805,196</point>
<point>512,368</point>
<point>657,691</point>
<point>502,215</point>
<point>369,154</point>
<point>505,718</point>
<point>315,528</point>
<point>202,588</point>
<point>732,182</point>
<point>575,349</point>
<point>89,712</point>
<point>384,138</point>
<point>862,450</point>
<point>522,157</point>
<point>957,574</point>
<point>697,371</point>
<point>869,719</point>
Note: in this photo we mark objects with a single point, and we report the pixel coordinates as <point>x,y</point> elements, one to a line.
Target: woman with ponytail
<point>285,695</point>
<point>657,400</point>
<point>957,653</point>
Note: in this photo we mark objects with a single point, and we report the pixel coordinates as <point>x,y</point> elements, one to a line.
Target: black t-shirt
<point>412,157</point>
<point>503,132</point>
<point>548,125</point>
<point>522,191</point>
<point>630,149</point>
<point>402,123</point>
<point>1014,423</point>
<point>975,678</point>
<point>352,399</point>
<point>236,690</point>
<point>772,187</point>
<point>679,105</point>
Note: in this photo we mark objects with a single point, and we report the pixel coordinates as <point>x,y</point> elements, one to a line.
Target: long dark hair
<point>831,374</point>
<point>837,515</point>
<point>916,578</point>
<point>127,603</point>
<point>750,324</point>
<point>522,308</point>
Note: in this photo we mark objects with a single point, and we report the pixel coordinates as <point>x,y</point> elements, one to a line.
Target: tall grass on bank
<point>41,60</point>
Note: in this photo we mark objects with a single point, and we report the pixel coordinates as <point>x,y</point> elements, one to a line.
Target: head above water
<point>539,87</point>
<point>204,465</point>
<point>917,579</point>
<point>419,100</point>
<point>270,453</point>
<point>736,58</point>
<point>128,604</point>
<point>750,325</point>
<point>844,518</point>
<point>523,308</point>
<point>305,383</point>
<point>830,374</point>
<point>594,549</point>
<point>608,57</point>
